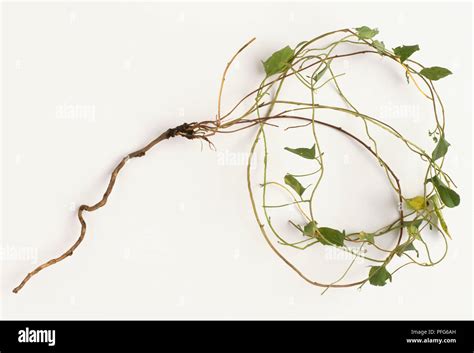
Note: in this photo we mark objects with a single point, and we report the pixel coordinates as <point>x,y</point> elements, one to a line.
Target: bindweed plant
<point>310,65</point>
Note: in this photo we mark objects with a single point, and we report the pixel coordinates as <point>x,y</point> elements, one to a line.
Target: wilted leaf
<point>413,228</point>
<point>278,61</point>
<point>448,196</point>
<point>406,247</point>
<point>380,46</point>
<point>416,223</point>
<point>432,217</point>
<point>294,184</point>
<point>308,153</point>
<point>365,32</point>
<point>310,229</point>
<point>369,237</point>
<point>378,276</point>
<point>405,51</point>
<point>414,232</point>
<point>321,73</point>
<point>435,73</point>
<point>439,215</point>
<point>416,203</point>
<point>411,247</point>
<point>440,149</point>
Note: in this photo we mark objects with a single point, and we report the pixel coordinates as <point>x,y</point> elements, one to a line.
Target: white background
<point>178,239</point>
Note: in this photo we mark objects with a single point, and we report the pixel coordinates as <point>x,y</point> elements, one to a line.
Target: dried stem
<point>186,130</point>
<point>218,120</point>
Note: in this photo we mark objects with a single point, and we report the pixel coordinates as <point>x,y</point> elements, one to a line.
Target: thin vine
<point>310,63</point>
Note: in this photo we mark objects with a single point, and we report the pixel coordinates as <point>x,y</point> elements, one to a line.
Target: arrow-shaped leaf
<point>308,153</point>
<point>331,236</point>
<point>291,181</point>
<point>405,51</point>
<point>378,276</point>
<point>435,73</point>
<point>278,61</point>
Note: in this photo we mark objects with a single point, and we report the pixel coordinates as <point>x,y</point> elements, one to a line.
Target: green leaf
<point>310,229</point>
<point>405,51</point>
<point>406,247</point>
<point>331,236</point>
<point>411,247</point>
<point>449,197</point>
<point>380,46</point>
<point>365,32</point>
<point>440,149</point>
<point>416,223</point>
<point>414,232</point>
<point>321,73</point>
<point>369,237</point>
<point>413,228</point>
<point>416,203</point>
<point>294,184</point>
<point>378,276</point>
<point>308,153</point>
<point>435,73</point>
<point>278,61</point>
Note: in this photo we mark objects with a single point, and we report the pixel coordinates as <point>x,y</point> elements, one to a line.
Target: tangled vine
<point>309,63</point>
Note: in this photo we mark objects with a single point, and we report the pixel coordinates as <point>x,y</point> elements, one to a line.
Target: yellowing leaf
<point>310,229</point>
<point>439,215</point>
<point>416,203</point>
<point>369,237</point>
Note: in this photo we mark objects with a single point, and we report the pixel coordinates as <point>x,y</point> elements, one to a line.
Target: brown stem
<point>186,130</point>
<point>219,98</point>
